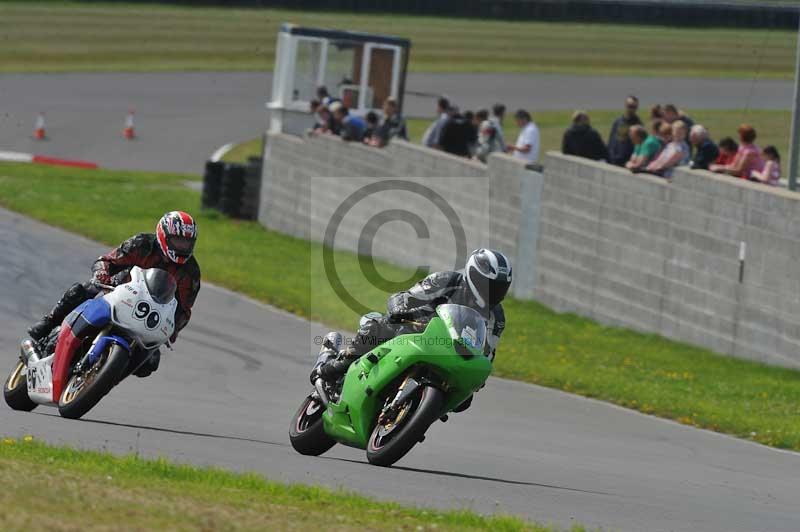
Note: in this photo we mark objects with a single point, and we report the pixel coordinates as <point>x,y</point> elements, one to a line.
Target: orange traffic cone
<point>38,130</point>
<point>129,133</point>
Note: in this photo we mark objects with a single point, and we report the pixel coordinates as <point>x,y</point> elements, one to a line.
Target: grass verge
<point>67,37</point>
<point>645,372</point>
<point>240,152</point>
<point>59,488</point>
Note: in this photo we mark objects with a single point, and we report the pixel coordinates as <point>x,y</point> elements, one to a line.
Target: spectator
<point>656,112</point>
<point>456,134</point>
<point>771,174</point>
<point>351,127</point>
<point>748,156</point>
<point>664,133</point>
<point>431,137</point>
<point>315,108</point>
<point>498,112</point>
<point>675,153</point>
<point>324,122</point>
<point>620,147</point>
<point>705,151</point>
<point>488,140</point>
<point>527,146</point>
<point>473,131</point>
<point>646,146</point>
<point>637,135</point>
<point>727,151</point>
<point>393,126</point>
<point>671,114</point>
<point>323,96</point>
<point>372,127</point>
<point>582,140</point>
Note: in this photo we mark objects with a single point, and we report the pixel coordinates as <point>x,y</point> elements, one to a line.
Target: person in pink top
<point>771,174</point>
<point>748,156</point>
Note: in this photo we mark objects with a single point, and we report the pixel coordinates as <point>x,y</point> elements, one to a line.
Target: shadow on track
<point>171,431</point>
<point>472,477</point>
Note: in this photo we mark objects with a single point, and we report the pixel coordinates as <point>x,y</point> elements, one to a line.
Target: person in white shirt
<point>527,146</point>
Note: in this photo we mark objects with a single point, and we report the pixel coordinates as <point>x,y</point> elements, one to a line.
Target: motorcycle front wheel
<point>15,390</point>
<point>307,432</point>
<point>393,438</point>
<point>85,390</point>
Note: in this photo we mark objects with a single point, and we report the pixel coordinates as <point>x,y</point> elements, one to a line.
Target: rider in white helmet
<point>481,285</point>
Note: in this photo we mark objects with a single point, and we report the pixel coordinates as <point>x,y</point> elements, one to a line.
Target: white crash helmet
<point>488,275</point>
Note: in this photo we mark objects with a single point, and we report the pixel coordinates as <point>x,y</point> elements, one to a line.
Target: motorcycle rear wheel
<point>80,397</point>
<point>307,432</point>
<point>15,390</point>
<point>388,444</point>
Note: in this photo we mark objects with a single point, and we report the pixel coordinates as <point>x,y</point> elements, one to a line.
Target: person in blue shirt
<point>352,127</point>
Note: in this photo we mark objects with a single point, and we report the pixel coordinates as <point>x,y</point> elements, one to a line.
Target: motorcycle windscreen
<point>160,284</point>
<point>464,324</point>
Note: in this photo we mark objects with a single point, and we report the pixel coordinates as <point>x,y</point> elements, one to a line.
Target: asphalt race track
<point>227,392</point>
<point>181,118</point>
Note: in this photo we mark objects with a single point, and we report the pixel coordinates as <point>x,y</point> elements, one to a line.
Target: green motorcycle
<point>391,395</point>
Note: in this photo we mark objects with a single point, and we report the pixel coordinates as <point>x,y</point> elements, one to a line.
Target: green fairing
<point>351,420</point>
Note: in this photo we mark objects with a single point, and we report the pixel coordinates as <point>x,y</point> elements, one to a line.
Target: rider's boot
<point>331,344</point>
<point>150,366</point>
<point>372,331</point>
<point>73,297</point>
<point>334,368</point>
<point>464,404</point>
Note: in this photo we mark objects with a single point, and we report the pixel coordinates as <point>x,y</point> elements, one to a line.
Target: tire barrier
<point>234,189</point>
<point>230,201</point>
<point>212,184</point>
<point>251,195</point>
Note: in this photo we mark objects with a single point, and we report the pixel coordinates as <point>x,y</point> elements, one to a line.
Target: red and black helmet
<point>176,233</point>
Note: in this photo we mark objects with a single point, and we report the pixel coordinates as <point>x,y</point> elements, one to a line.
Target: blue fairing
<point>102,344</point>
<point>97,312</point>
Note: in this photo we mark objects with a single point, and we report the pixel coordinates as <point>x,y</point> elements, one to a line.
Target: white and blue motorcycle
<point>98,345</point>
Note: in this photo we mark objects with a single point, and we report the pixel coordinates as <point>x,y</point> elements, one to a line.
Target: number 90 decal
<point>142,312</point>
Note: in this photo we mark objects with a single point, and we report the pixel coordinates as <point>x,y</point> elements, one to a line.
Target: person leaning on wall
<point>582,140</point>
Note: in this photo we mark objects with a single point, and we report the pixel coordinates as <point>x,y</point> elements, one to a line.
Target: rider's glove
<point>120,278</point>
<point>398,304</point>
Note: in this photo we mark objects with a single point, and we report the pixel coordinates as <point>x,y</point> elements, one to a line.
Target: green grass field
<point>640,371</point>
<point>64,37</point>
<point>772,127</point>
<point>58,488</point>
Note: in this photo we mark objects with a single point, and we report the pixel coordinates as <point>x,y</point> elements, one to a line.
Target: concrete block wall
<point>659,256</point>
<point>629,250</point>
<point>488,200</point>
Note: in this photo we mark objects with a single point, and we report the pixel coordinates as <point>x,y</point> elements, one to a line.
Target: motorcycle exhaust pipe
<point>323,396</point>
<point>28,352</point>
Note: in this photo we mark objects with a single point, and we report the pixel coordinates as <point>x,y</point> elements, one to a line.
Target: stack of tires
<point>234,189</point>
<point>212,184</point>
<point>230,201</point>
<point>251,198</point>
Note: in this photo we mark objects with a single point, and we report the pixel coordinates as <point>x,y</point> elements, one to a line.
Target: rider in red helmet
<point>170,248</point>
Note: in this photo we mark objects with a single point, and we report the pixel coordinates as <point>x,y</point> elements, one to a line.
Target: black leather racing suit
<point>418,303</point>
